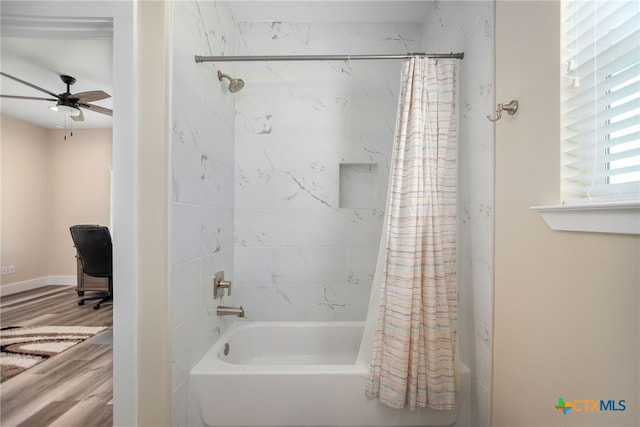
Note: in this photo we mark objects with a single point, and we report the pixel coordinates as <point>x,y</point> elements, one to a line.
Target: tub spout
<point>230,311</point>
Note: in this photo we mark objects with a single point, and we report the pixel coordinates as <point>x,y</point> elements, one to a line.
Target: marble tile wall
<point>257,175</point>
<point>202,170</point>
<point>304,251</point>
<point>468,26</point>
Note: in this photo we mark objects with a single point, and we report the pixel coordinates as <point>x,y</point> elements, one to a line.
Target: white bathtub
<point>297,374</point>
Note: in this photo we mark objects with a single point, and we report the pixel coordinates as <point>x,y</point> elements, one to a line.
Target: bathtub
<point>297,374</point>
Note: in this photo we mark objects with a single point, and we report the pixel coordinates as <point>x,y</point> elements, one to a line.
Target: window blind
<point>601,99</point>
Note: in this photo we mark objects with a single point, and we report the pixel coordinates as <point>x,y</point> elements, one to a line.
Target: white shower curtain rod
<point>322,57</point>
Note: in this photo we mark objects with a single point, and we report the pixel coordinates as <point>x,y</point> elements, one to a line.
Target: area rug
<point>22,348</point>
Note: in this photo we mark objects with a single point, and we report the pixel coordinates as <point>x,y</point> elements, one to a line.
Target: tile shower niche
<point>358,185</point>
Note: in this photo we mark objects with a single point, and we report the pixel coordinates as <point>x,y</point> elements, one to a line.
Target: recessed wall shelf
<point>358,185</point>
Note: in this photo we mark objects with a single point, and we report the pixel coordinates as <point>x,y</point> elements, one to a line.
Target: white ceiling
<point>39,50</point>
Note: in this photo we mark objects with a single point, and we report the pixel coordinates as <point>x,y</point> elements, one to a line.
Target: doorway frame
<point>125,183</point>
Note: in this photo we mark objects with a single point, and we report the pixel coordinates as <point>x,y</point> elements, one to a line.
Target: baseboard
<point>27,285</point>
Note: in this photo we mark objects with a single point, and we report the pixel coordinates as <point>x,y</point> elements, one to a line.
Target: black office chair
<point>93,244</point>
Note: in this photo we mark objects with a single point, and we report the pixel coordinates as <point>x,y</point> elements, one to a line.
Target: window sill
<point>612,217</point>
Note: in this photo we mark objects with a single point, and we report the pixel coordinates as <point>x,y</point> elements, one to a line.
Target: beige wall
<point>25,199</point>
<point>154,340</point>
<point>49,184</point>
<point>79,188</point>
<point>566,303</point>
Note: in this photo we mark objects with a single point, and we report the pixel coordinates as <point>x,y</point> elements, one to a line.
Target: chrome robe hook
<point>510,108</point>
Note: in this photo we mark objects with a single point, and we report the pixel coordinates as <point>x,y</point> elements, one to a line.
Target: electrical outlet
<point>4,269</point>
<point>12,269</point>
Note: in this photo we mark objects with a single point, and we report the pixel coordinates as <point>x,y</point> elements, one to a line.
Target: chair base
<point>102,298</point>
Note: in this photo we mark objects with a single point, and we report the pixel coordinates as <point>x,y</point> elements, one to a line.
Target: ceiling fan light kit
<point>66,110</point>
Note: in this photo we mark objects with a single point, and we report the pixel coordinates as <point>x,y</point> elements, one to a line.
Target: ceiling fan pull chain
<point>68,125</point>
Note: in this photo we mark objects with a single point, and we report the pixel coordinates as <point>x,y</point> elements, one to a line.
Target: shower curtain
<point>413,363</point>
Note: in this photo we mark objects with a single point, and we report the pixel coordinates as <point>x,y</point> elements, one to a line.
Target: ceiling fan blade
<point>79,117</point>
<point>30,85</point>
<point>97,109</point>
<point>28,97</point>
<point>90,96</point>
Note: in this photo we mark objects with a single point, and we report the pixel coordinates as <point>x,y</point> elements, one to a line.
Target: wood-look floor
<point>73,388</point>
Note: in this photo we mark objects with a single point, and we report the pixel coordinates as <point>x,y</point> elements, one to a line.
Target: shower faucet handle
<point>219,285</point>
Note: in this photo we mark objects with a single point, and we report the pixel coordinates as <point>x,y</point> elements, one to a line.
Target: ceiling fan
<point>67,103</point>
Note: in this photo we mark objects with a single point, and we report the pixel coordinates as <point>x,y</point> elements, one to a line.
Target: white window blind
<point>601,100</point>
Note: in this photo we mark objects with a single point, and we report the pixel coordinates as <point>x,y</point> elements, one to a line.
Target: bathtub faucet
<point>230,311</point>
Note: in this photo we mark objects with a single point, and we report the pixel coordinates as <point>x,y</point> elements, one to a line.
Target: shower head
<point>234,84</point>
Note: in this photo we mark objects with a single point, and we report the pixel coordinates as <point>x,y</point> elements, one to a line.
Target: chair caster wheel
<point>96,306</point>
<point>81,302</point>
